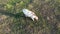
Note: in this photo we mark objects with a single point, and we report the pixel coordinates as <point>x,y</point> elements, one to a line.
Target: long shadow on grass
<point>3,12</point>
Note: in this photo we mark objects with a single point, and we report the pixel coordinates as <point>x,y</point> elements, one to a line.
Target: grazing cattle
<point>30,14</point>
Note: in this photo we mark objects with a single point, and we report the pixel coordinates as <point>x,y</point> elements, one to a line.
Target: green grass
<point>16,23</point>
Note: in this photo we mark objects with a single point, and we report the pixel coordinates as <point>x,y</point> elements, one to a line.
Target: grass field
<point>13,21</point>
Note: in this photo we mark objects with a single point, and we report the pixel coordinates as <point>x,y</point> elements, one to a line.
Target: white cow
<point>30,14</point>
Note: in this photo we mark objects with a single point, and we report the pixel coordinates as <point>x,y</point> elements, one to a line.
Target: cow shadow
<point>17,15</point>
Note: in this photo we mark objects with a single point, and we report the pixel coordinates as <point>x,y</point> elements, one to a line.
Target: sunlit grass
<point>17,23</point>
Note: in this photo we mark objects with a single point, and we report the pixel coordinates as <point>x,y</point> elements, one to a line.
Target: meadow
<point>13,21</point>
